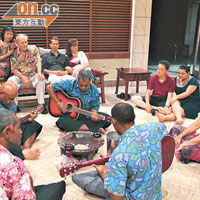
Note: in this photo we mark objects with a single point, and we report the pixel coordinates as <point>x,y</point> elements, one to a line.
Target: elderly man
<point>30,128</point>
<point>15,180</point>
<point>54,63</point>
<point>160,91</point>
<point>26,67</point>
<point>83,88</point>
<point>135,167</point>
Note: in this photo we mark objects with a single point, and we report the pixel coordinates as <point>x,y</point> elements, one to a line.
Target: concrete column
<point>140,33</point>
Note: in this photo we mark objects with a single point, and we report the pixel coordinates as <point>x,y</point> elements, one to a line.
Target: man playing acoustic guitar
<point>82,90</point>
<point>30,128</point>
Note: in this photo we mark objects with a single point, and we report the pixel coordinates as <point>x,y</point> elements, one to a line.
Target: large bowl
<point>80,137</point>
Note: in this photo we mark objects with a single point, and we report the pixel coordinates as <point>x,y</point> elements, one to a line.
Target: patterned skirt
<point>188,153</point>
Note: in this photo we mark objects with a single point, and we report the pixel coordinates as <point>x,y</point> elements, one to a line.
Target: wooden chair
<point>99,82</point>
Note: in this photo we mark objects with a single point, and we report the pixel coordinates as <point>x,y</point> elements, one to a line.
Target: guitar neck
<point>24,119</point>
<point>92,162</point>
<point>37,110</point>
<point>88,113</point>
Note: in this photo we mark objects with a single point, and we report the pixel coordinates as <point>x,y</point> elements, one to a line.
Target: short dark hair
<point>71,42</point>
<point>123,113</point>
<point>85,74</point>
<point>166,63</point>
<point>185,67</point>
<point>7,28</point>
<point>53,38</point>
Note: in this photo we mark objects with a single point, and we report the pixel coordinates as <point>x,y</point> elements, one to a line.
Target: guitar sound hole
<point>69,107</point>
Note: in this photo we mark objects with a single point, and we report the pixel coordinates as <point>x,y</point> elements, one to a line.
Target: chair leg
<point>102,95</point>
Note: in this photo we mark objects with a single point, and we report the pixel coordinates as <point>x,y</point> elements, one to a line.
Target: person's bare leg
<point>30,154</point>
<point>29,142</point>
<point>179,112</point>
<point>137,100</point>
<point>160,109</point>
<point>162,118</point>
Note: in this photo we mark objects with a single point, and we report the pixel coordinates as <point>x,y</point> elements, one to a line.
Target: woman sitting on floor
<point>186,102</point>
<point>187,142</point>
<point>77,59</point>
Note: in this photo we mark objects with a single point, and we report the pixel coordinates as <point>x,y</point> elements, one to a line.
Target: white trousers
<point>37,84</point>
<point>55,78</point>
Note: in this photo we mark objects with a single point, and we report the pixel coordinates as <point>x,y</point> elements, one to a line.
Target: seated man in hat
<point>30,128</point>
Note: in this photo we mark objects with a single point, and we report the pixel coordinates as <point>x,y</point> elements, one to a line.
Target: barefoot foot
<point>83,128</point>
<point>31,154</point>
<point>160,117</point>
<point>179,122</point>
<point>101,130</point>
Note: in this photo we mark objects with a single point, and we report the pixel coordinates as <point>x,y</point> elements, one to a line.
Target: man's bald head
<point>8,91</point>
<point>8,88</point>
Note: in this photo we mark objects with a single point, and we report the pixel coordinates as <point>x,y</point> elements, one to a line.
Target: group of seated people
<point>23,62</point>
<point>172,99</point>
<point>130,173</point>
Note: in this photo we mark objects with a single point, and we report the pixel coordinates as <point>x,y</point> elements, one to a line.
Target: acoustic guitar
<point>73,106</point>
<point>167,146</point>
<point>38,110</point>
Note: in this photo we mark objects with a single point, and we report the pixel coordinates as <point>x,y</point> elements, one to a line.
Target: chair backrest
<point>168,149</point>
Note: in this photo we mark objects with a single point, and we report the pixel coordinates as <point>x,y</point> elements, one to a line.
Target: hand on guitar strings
<point>62,107</point>
<point>33,115</point>
<point>94,116</point>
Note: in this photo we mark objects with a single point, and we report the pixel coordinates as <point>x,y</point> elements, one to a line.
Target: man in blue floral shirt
<point>135,167</point>
<point>84,89</point>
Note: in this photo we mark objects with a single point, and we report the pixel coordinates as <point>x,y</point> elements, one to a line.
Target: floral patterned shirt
<point>26,64</point>
<point>4,64</point>
<point>135,166</point>
<point>15,181</point>
<point>90,98</point>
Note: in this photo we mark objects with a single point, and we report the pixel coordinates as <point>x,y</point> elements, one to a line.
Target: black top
<point>55,63</point>
<point>194,97</point>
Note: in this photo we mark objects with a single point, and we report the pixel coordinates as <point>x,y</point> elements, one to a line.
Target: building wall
<point>141,33</point>
<point>141,20</point>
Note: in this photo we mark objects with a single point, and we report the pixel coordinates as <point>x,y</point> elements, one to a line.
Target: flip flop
<point>153,111</point>
<point>122,96</point>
